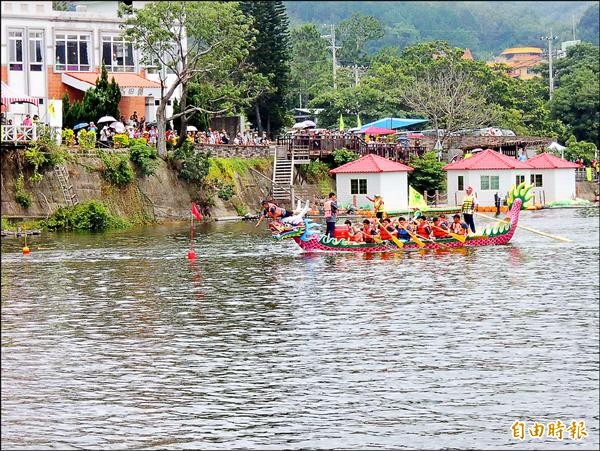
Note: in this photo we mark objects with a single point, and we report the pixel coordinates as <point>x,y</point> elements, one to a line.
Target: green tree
<point>73,113</point>
<point>354,34</point>
<point>271,56</point>
<point>310,71</point>
<point>588,25</point>
<point>576,101</point>
<point>199,41</point>
<point>428,173</point>
<point>582,149</point>
<point>103,99</point>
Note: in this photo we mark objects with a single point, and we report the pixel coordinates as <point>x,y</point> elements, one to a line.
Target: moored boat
<point>306,233</point>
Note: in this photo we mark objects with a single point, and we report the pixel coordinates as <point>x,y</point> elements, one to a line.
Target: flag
<point>358,123</point>
<point>341,122</point>
<point>588,173</point>
<point>415,199</point>
<point>195,212</point>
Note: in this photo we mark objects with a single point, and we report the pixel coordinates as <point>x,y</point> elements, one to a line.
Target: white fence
<point>22,134</point>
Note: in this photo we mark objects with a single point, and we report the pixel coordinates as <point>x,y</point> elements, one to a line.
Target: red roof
<point>371,163</point>
<point>124,80</point>
<point>548,161</point>
<point>488,159</point>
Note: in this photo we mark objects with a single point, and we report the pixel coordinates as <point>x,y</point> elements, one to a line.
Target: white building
<point>490,172</point>
<point>371,175</point>
<point>47,53</point>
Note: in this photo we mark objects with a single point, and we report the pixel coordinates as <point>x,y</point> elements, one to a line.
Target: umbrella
<point>81,125</point>
<point>118,126</point>
<point>298,125</point>
<point>342,125</point>
<point>106,119</point>
<point>378,131</point>
<point>308,124</point>
<point>191,128</point>
<point>555,146</point>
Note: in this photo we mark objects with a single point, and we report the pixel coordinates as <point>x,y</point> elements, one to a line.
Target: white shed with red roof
<point>553,177</point>
<point>371,175</point>
<point>491,172</point>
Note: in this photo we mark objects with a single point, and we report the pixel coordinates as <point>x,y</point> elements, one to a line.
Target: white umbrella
<point>555,146</point>
<point>191,128</point>
<point>298,125</point>
<point>106,119</point>
<point>308,124</point>
<point>118,126</point>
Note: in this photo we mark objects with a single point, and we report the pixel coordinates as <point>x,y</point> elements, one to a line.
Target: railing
<point>19,134</point>
<point>581,175</point>
<point>436,198</point>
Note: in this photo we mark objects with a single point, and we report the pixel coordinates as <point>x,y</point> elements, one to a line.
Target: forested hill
<point>486,28</point>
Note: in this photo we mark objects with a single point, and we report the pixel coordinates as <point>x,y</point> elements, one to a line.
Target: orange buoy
<point>25,250</point>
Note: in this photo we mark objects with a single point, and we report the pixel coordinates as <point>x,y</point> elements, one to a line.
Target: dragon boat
<point>306,233</point>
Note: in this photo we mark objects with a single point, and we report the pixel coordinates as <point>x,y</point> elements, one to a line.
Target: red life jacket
<point>384,233</point>
<point>439,233</point>
<point>423,230</point>
<point>368,234</point>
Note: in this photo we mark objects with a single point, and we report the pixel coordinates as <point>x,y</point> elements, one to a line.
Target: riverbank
<point>163,196</point>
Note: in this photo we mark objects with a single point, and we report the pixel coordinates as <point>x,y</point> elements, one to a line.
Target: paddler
<point>273,211</point>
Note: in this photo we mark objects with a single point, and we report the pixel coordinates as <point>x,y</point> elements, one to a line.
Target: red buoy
<point>191,254</point>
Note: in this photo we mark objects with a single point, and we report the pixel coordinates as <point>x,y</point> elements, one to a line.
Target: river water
<point>116,340</point>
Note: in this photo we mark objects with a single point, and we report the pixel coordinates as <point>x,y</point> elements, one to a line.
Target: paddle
<point>547,235</point>
<point>413,236</point>
<point>396,241</point>
<point>461,238</point>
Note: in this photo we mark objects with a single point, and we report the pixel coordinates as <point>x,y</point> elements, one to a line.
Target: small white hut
<point>491,172</point>
<point>371,175</point>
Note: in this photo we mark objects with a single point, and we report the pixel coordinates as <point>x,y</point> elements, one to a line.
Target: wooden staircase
<point>283,176</point>
<point>67,188</point>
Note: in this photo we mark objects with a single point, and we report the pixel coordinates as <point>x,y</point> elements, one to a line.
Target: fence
<point>23,134</point>
<point>581,175</point>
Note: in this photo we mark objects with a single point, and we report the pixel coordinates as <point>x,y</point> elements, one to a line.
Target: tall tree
<point>271,57</point>
<point>193,40</point>
<point>309,69</point>
<point>103,99</point>
<point>354,33</point>
<point>450,98</point>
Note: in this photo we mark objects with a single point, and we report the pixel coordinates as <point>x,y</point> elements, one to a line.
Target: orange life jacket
<point>278,211</point>
<point>439,233</point>
<point>384,233</point>
<point>327,208</point>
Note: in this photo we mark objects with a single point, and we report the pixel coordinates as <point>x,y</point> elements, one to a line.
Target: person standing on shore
<point>330,209</point>
<point>469,206</point>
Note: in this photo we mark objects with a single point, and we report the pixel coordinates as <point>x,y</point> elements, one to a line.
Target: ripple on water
<point>116,340</point>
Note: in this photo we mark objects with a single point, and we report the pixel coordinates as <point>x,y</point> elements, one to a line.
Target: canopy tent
<point>555,146</point>
<point>9,96</point>
<point>378,131</point>
<point>393,122</point>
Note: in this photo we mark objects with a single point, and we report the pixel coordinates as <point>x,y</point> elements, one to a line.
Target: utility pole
<point>573,23</point>
<point>550,74</point>
<point>333,48</point>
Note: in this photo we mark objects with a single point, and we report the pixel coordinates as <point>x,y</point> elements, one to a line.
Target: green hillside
<point>485,27</point>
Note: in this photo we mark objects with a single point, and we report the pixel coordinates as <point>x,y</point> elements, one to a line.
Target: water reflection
<point>118,340</point>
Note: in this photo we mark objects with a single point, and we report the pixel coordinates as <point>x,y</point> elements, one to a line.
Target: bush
<point>22,197</point>
<point>226,191</point>
<point>68,137</point>
<point>86,139</point>
<point>144,156</point>
<point>316,170</point>
<point>117,169</point>
<point>120,140</point>
<point>343,156</point>
<point>92,215</point>
<point>428,173</point>
<point>195,165</point>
